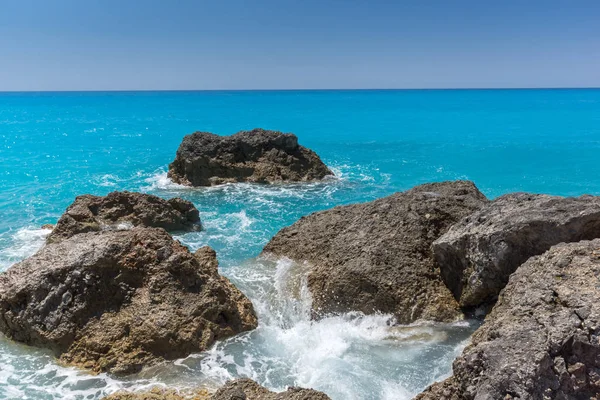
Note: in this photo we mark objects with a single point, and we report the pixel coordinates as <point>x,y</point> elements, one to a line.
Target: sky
<point>297,44</point>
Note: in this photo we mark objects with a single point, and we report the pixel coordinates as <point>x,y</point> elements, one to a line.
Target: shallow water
<point>56,146</point>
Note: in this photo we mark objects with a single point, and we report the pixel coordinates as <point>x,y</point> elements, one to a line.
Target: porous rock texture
<point>263,156</point>
<point>477,255</point>
<point>376,256</point>
<point>239,389</point>
<point>118,301</point>
<point>542,339</point>
<point>121,210</point>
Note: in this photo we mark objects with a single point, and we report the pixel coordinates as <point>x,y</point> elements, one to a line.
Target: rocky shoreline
<point>112,291</point>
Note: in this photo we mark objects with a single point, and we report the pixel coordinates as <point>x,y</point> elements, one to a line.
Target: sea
<point>56,146</point>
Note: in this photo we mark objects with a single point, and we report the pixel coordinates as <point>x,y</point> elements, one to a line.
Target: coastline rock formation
<point>117,301</point>
<point>239,389</point>
<point>125,209</point>
<point>477,255</point>
<point>376,256</point>
<point>263,156</point>
<point>542,338</point>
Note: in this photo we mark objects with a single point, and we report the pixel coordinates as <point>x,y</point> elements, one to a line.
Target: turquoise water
<point>54,146</point>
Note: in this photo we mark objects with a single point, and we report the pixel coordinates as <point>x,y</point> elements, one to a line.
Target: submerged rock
<point>205,159</point>
<point>123,210</point>
<point>542,338</point>
<point>239,389</point>
<point>377,256</point>
<point>477,255</point>
<point>117,301</point>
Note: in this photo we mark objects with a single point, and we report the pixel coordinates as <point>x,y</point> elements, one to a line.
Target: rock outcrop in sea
<point>118,301</point>
<point>477,255</point>
<point>239,389</point>
<point>205,159</point>
<point>376,257</point>
<point>542,338</point>
<point>121,210</point>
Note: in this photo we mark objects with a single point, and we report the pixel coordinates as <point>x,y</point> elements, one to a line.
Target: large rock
<point>477,255</point>
<point>205,159</point>
<point>122,210</point>
<point>542,338</point>
<point>376,256</point>
<point>247,389</point>
<point>117,301</point>
<point>239,389</point>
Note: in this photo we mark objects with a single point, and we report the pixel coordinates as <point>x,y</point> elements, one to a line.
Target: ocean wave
<point>21,244</point>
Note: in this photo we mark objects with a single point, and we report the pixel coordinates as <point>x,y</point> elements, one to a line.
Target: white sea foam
<point>22,243</point>
<point>160,181</point>
<point>349,356</point>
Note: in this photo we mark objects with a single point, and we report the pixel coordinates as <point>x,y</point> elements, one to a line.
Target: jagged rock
<point>47,226</point>
<point>123,210</point>
<point>477,255</point>
<point>160,394</point>
<point>239,389</point>
<point>247,389</point>
<point>117,301</point>
<point>205,159</point>
<point>542,338</point>
<point>376,256</point>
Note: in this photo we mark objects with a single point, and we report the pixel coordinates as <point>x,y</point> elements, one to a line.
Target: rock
<point>47,226</point>
<point>123,210</point>
<point>375,257</point>
<point>247,389</point>
<point>159,394</point>
<point>477,255</point>
<point>205,159</point>
<point>239,389</point>
<point>542,338</point>
<point>117,301</point>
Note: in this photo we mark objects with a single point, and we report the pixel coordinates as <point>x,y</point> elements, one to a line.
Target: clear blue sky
<point>277,44</point>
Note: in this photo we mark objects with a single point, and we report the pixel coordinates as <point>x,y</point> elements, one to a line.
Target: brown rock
<point>123,210</point>
<point>247,389</point>
<point>117,301</point>
<point>205,159</point>
<point>376,256</point>
<point>239,389</point>
<point>542,338</point>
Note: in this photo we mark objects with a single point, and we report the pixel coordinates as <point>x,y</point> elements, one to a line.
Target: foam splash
<point>348,356</point>
<point>21,244</point>
<point>160,181</point>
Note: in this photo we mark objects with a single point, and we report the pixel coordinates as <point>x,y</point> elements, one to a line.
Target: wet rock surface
<point>542,338</point>
<point>477,255</point>
<point>247,389</point>
<point>377,256</point>
<point>122,210</point>
<point>239,389</point>
<point>117,301</point>
<point>263,156</point>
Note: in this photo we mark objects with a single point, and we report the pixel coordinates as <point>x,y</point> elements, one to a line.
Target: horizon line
<point>301,90</point>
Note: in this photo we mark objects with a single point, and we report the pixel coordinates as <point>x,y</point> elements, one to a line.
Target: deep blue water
<point>55,146</point>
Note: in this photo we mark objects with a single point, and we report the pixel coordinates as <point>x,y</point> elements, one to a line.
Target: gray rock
<point>117,301</point>
<point>477,255</point>
<point>542,338</point>
<point>205,159</point>
<point>122,210</point>
<point>376,257</point>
